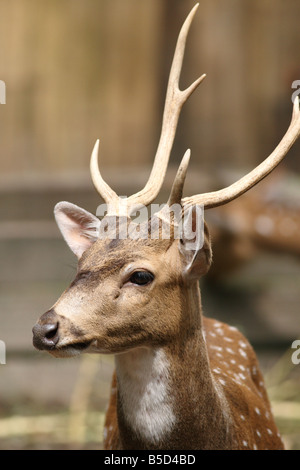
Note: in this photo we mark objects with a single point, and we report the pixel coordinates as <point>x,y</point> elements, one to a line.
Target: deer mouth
<point>71,349</point>
<point>78,346</point>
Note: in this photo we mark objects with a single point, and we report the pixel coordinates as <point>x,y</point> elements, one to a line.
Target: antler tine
<point>102,187</point>
<point>177,188</point>
<point>223,196</point>
<point>175,99</point>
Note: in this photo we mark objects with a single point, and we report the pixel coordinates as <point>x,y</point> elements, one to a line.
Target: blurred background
<point>80,70</point>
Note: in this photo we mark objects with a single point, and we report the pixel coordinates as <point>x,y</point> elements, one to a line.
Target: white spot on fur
<point>242,353</point>
<point>225,363</point>
<point>229,340</point>
<point>143,377</point>
<point>237,381</point>
<point>217,348</point>
<point>229,350</point>
<point>264,225</point>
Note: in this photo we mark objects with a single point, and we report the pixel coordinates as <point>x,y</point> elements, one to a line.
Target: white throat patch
<point>143,376</point>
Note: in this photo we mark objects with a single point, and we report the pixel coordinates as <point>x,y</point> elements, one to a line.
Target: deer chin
<point>73,349</point>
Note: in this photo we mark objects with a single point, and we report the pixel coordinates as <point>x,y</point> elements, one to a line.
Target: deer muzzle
<point>59,336</point>
<point>46,331</point>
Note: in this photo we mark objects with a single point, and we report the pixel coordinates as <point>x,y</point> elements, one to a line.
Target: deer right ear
<point>194,246</point>
<point>79,228</point>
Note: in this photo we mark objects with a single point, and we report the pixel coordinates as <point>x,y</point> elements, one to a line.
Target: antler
<point>218,198</point>
<point>175,99</point>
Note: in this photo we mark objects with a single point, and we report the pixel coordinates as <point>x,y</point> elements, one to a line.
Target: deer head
<point>140,291</point>
<point>120,282</point>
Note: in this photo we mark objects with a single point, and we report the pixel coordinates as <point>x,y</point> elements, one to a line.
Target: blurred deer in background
<point>267,219</point>
<point>182,381</point>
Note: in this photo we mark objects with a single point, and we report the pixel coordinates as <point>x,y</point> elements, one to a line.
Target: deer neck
<point>163,390</point>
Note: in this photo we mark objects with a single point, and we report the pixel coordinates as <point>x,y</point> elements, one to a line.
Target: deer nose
<point>45,332</point>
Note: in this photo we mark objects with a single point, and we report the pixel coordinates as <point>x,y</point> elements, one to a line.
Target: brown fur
<point>252,423</point>
<point>209,377</point>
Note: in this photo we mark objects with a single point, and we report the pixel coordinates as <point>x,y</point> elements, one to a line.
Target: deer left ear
<point>194,246</point>
<point>79,228</point>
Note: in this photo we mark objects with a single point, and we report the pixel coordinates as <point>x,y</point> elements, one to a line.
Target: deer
<point>181,380</point>
<point>267,220</point>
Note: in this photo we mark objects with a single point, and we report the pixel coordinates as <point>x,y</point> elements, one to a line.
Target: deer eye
<point>141,278</point>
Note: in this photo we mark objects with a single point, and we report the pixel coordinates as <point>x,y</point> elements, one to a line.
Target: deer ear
<point>194,246</point>
<point>79,228</point>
